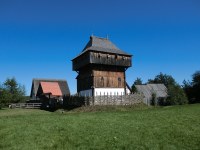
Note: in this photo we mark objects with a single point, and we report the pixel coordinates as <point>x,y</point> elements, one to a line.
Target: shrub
<point>192,88</point>
<point>153,99</point>
<point>176,95</point>
<point>11,92</point>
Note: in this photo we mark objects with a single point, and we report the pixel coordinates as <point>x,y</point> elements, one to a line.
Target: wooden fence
<point>26,105</point>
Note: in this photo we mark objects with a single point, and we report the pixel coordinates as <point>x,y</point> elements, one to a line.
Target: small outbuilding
<point>49,91</point>
<point>152,91</point>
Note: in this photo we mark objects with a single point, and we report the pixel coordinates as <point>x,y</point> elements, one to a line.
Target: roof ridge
<point>49,79</point>
<point>93,36</point>
<point>101,44</point>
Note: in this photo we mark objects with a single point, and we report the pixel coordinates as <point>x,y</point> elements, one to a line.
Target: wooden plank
<point>26,105</point>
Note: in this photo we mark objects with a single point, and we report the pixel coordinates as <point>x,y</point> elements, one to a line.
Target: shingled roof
<point>148,89</point>
<point>51,87</point>
<point>62,84</point>
<point>159,89</point>
<point>102,45</point>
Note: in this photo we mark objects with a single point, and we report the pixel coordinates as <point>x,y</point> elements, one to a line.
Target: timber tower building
<point>101,68</point>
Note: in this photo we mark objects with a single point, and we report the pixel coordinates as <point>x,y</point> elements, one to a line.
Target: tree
<point>11,85</point>
<point>196,85</point>
<point>5,97</point>
<point>138,81</point>
<point>175,92</point>
<point>163,78</point>
<point>192,88</point>
<point>0,96</point>
<point>188,89</point>
<point>11,92</point>
<point>177,95</point>
<point>196,78</point>
<point>153,99</point>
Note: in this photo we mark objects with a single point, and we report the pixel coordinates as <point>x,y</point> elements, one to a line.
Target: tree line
<point>11,92</point>
<point>189,92</point>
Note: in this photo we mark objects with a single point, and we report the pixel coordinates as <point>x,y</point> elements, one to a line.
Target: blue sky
<point>39,38</point>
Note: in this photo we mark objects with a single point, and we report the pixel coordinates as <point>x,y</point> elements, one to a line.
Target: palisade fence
<point>78,101</point>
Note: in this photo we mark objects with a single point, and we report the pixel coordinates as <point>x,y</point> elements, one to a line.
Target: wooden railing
<point>25,105</point>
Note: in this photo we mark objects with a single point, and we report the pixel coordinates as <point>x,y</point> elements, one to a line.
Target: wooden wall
<point>81,61</point>
<point>100,76</point>
<point>101,59</point>
<point>110,59</point>
<point>108,79</point>
<point>84,79</point>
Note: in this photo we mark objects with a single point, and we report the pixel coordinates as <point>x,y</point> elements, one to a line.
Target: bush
<point>176,95</point>
<point>153,99</point>
<point>5,98</point>
<point>162,101</point>
<point>11,92</point>
<point>192,88</point>
<point>70,102</point>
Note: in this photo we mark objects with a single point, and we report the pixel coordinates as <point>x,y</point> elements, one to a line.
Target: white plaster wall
<point>86,93</point>
<point>104,91</point>
<point>128,92</point>
<point>108,91</point>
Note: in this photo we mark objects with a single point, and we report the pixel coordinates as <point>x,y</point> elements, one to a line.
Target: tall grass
<point>175,127</point>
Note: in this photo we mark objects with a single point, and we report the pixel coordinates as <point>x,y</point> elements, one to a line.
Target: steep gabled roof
<point>102,45</point>
<point>62,84</point>
<point>159,89</point>
<point>51,87</point>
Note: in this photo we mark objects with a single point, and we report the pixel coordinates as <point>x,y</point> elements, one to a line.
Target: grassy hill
<point>176,127</point>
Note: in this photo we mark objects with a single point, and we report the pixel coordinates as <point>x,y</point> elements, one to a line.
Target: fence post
<point>107,100</point>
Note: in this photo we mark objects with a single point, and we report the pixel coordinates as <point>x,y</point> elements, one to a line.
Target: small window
<point>119,82</point>
<point>102,81</point>
<point>116,56</point>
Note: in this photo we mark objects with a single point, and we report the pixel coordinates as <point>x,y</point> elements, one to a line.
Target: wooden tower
<point>101,68</point>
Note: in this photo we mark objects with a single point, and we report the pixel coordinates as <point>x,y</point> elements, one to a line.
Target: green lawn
<point>176,127</point>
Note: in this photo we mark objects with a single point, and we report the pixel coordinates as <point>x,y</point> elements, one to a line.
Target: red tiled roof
<point>51,87</point>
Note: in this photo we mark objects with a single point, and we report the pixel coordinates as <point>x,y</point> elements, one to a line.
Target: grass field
<point>176,127</point>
